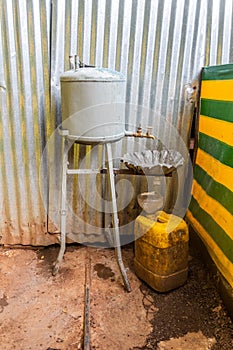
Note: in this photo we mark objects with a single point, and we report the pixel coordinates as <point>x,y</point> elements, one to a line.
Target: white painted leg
<point>63,209</point>
<point>116,235</point>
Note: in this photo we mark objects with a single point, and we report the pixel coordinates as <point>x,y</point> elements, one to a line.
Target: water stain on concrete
<point>3,302</point>
<point>104,271</point>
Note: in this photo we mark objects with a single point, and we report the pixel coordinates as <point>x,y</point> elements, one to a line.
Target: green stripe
<point>220,237</point>
<point>221,72</point>
<point>217,149</point>
<point>222,110</point>
<point>214,189</point>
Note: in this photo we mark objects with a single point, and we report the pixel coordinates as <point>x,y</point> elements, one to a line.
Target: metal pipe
<point>76,62</point>
<point>139,133</point>
<point>71,60</point>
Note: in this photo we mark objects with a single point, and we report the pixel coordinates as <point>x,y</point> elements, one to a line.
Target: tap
<point>138,133</point>
<point>147,135</point>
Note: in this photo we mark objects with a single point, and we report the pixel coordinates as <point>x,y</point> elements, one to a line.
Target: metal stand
<point>116,235</point>
<point>110,172</point>
<point>63,208</point>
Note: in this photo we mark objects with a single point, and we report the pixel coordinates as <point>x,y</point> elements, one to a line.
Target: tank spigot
<point>148,133</point>
<point>139,133</point>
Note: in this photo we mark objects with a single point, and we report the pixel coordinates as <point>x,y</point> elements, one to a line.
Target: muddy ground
<point>41,312</point>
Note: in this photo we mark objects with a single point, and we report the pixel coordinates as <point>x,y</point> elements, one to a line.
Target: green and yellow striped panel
<point>211,208</point>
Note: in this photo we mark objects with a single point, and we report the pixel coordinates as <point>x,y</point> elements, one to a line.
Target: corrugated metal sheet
<point>25,118</point>
<point>160,45</point>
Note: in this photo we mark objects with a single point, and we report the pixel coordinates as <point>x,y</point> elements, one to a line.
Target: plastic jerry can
<point>161,251</point>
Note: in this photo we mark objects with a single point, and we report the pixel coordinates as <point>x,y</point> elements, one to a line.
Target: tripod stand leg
<point>63,210</point>
<point>116,235</point>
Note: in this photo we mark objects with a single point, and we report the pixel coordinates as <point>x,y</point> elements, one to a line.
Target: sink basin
<point>158,162</point>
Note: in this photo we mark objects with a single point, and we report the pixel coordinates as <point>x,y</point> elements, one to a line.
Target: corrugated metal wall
<point>25,118</point>
<point>160,46</point>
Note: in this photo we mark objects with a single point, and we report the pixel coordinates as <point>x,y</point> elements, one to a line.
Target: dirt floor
<point>41,312</point>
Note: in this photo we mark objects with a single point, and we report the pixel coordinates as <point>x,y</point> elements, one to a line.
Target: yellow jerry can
<point>161,251</point>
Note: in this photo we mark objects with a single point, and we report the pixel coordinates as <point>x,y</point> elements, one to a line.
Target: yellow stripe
<point>212,207</point>
<point>218,171</point>
<point>219,129</point>
<point>217,89</point>
<point>224,265</point>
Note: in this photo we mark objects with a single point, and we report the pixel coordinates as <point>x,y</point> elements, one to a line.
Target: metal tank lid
<point>92,74</point>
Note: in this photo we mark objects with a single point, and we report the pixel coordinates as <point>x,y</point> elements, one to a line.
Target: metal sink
<point>153,161</point>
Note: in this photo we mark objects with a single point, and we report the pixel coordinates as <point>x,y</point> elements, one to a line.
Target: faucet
<point>139,133</point>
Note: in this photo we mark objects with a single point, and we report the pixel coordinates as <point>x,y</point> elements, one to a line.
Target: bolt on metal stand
<point>110,173</point>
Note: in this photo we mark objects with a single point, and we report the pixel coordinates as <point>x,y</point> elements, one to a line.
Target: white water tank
<point>93,104</point>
